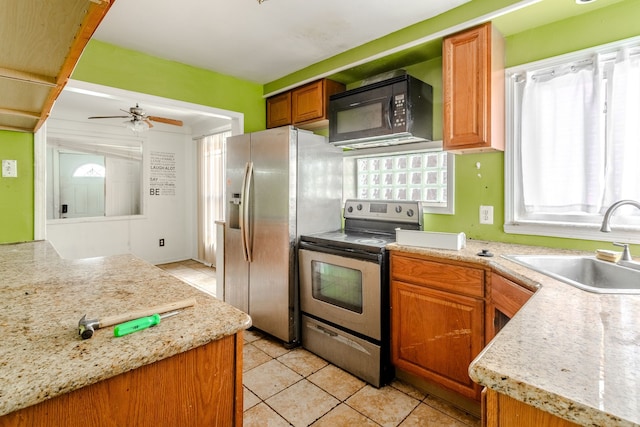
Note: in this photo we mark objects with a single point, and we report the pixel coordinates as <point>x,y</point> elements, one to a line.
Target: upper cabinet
<point>46,39</point>
<point>305,107</point>
<point>279,110</point>
<point>473,89</point>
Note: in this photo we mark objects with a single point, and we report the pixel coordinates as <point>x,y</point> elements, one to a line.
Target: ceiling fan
<point>139,119</point>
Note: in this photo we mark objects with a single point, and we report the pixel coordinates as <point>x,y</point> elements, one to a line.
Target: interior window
<point>93,178</point>
<point>424,176</point>
<point>574,142</point>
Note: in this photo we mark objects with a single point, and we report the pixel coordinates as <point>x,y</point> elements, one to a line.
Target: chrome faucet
<point>626,255</point>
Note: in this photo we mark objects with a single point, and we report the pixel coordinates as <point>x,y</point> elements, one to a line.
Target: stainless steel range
<point>344,287</point>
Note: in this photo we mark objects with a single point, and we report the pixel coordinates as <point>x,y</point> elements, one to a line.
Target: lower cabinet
<point>500,410</point>
<point>506,299</point>
<point>199,387</point>
<point>437,320</point>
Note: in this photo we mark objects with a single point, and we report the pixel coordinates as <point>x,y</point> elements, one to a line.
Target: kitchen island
<point>184,371</point>
<point>567,352</point>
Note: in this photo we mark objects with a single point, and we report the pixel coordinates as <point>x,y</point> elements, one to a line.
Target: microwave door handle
<point>389,110</point>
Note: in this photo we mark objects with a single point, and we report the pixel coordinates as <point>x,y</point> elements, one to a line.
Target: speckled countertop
<point>569,352</point>
<point>42,297</point>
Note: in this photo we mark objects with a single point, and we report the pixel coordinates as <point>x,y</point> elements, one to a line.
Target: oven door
<point>342,290</point>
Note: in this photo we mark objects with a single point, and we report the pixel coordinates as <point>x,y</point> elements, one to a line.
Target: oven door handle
<point>245,220</point>
<point>342,339</point>
<point>343,252</point>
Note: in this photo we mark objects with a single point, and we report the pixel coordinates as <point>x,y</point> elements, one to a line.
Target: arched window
<point>89,170</point>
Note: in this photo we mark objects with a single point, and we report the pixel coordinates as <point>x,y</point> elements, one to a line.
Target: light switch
<point>9,168</point>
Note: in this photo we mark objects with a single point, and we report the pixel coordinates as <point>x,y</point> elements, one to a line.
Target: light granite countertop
<point>42,297</point>
<point>569,352</point>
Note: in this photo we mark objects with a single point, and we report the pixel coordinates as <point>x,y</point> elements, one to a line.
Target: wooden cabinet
<point>279,110</point>
<point>437,320</point>
<point>473,90</point>
<point>306,107</point>
<point>506,299</point>
<point>500,410</point>
<point>202,387</point>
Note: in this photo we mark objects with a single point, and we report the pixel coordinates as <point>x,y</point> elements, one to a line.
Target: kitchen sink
<point>587,273</point>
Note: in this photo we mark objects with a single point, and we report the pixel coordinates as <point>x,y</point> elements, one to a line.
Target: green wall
<point>16,194</point>
<point>109,65</point>
<point>441,22</point>
<point>485,186</point>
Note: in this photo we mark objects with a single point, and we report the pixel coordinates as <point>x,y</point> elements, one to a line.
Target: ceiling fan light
<point>137,125</point>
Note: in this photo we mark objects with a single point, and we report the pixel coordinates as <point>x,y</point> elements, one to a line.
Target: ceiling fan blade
<point>148,122</point>
<point>165,120</point>
<point>109,117</point>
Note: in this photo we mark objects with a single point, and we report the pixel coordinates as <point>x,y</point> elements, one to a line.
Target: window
<point>421,175</point>
<point>89,170</point>
<point>573,143</point>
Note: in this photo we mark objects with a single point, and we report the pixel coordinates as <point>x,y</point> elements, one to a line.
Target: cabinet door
<point>507,298</point>
<point>310,103</point>
<point>473,88</point>
<point>307,102</point>
<point>436,335</point>
<point>279,110</point>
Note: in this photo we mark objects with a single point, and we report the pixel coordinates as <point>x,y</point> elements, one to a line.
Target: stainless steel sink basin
<point>586,273</point>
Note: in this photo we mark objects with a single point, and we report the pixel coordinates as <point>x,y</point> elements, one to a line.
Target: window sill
<point>574,231</point>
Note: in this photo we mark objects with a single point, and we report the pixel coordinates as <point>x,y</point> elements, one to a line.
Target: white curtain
<point>211,171</point>
<point>623,128</point>
<point>561,148</point>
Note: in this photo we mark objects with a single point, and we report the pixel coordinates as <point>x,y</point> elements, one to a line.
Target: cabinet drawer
<point>447,277</point>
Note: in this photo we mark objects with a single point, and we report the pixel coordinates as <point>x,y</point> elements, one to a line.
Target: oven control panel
<point>384,210</point>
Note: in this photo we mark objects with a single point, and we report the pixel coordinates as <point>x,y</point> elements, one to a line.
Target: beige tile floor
<point>293,387</point>
<point>195,273</point>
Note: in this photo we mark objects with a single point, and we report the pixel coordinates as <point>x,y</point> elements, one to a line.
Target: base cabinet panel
<point>436,334</point>
<point>500,410</point>
<point>200,387</point>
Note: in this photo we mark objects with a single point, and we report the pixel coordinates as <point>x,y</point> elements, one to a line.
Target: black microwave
<point>389,112</point>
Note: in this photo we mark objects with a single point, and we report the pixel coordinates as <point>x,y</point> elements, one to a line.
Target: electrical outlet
<point>486,214</point>
<point>161,242</point>
<point>9,168</point>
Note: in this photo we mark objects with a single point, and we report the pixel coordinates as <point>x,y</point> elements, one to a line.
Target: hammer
<point>87,326</point>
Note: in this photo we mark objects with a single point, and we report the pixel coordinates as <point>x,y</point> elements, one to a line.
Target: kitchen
<point>100,60</point>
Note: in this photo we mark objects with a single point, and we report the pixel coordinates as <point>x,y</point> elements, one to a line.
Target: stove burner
<point>371,241</point>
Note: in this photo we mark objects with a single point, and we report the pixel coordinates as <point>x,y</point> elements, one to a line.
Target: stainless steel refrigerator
<point>281,183</point>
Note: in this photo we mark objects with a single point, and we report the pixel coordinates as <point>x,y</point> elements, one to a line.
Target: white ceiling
<point>241,38</point>
<point>264,42</point>
<point>259,42</point>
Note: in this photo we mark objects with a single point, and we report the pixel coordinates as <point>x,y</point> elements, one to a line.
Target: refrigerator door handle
<point>245,221</point>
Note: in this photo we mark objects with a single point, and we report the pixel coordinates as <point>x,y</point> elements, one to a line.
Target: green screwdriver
<point>141,323</point>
